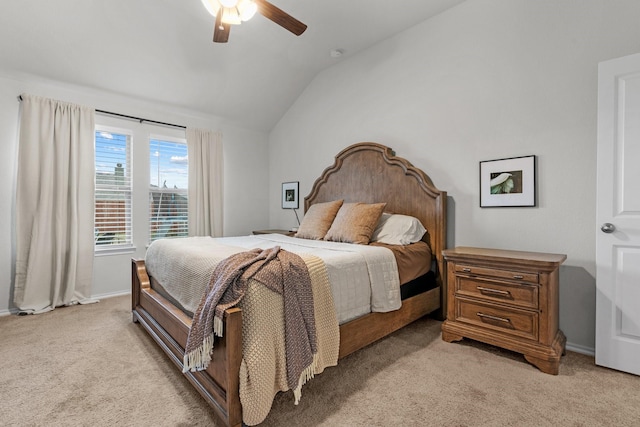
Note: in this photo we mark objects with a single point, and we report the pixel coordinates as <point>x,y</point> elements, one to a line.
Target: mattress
<point>413,260</point>
<point>364,278</point>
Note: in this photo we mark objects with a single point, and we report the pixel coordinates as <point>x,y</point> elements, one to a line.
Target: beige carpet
<point>91,366</point>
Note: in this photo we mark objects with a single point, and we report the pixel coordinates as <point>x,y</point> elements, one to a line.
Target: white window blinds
<point>113,189</point>
<point>168,208</point>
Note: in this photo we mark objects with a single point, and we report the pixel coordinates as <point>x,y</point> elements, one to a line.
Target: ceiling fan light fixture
<point>212,6</point>
<point>233,12</point>
<point>231,16</point>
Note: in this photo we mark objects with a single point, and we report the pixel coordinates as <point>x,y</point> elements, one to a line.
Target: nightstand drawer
<point>510,321</point>
<point>523,295</point>
<point>499,274</point>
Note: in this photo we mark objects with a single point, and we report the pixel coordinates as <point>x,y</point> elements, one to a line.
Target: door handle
<point>608,228</point>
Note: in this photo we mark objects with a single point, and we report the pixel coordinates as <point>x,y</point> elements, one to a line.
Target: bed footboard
<point>219,384</point>
<point>169,327</point>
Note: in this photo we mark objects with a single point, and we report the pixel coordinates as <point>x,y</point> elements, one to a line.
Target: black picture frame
<point>509,182</point>
<point>290,195</point>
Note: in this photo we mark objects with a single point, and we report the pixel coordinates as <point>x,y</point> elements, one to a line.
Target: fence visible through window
<point>112,209</point>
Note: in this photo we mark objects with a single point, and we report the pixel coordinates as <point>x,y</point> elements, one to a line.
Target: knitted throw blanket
<point>280,271</point>
<point>263,371</point>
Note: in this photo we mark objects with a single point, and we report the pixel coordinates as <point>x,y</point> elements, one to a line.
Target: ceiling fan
<point>233,12</point>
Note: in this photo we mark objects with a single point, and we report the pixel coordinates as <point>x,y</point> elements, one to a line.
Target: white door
<point>618,215</point>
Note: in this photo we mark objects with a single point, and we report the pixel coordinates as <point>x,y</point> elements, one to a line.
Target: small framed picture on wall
<point>290,195</point>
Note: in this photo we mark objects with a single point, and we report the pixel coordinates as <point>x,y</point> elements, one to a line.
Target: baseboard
<point>11,311</point>
<point>111,294</point>
<point>589,351</point>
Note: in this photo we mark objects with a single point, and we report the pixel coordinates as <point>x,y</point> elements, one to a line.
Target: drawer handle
<point>519,277</point>
<point>490,317</point>
<point>484,290</point>
<point>466,270</point>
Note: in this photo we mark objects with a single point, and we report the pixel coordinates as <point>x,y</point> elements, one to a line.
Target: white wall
<point>245,188</point>
<point>485,80</point>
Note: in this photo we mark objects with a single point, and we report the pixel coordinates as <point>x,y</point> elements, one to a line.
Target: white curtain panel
<point>54,205</point>
<point>205,182</point>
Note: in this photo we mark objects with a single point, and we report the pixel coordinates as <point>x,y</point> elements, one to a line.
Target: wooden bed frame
<point>364,172</point>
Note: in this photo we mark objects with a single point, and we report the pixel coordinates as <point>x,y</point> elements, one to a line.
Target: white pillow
<point>395,229</point>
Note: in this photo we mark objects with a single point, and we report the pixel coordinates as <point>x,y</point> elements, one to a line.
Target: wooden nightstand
<point>275,231</point>
<point>508,299</point>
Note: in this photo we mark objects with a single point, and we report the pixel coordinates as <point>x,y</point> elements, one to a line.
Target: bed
<point>364,172</point>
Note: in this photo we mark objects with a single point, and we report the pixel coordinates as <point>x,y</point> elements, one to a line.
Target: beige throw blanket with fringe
<point>283,297</point>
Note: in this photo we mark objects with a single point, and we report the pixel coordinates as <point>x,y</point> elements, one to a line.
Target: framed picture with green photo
<point>508,182</point>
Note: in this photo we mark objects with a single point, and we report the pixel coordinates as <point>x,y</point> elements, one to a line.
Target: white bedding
<point>363,278</point>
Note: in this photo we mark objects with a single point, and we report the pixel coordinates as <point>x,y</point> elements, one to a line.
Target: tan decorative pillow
<point>318,219</point>
<point>355,223</point>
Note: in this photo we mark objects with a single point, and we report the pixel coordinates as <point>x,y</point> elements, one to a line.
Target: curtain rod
<point>125,116</point>
<point>140,119</point>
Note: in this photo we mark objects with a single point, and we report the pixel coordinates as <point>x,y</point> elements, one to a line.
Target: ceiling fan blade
<point>221,31</point>
<point>280,17</point>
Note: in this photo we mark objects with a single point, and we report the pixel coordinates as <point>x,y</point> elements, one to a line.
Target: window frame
<point>128,246</point>
<point>150,189</point>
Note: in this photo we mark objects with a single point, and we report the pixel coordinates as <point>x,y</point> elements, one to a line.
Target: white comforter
<point>363,278</point>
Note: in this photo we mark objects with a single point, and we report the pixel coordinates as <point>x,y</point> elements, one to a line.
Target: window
<point>113,189</point>
<point>168,209</point>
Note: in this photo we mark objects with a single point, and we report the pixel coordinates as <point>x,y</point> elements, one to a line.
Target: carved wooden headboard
<point>370,173</point>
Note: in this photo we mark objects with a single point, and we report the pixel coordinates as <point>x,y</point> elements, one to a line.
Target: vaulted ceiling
<point>162,50</point>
